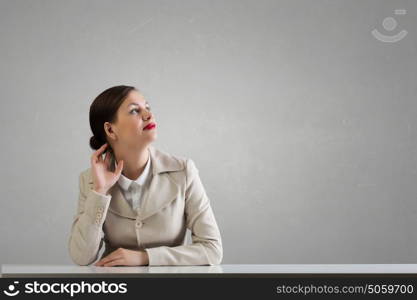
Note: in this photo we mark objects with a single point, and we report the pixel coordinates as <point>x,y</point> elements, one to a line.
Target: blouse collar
<point>125,182</point>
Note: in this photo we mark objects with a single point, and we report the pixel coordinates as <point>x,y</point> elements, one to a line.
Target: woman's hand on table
<point>124,257</point>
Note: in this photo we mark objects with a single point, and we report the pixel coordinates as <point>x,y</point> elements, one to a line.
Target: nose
<point>146,115</point>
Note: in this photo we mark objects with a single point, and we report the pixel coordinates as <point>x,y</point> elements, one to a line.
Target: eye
<point>135,110</point>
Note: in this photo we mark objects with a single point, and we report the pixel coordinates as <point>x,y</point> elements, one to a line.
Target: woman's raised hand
<point>103,178</point>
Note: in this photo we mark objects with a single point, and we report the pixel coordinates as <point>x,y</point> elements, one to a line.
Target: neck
<point>133,162</point>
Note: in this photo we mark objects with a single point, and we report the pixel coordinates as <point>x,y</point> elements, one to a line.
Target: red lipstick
<point>149,126</point>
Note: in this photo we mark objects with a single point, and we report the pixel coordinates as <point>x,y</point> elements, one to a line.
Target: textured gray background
<point>302,124</point>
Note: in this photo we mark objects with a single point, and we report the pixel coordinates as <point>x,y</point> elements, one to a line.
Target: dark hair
<point>104,109</point>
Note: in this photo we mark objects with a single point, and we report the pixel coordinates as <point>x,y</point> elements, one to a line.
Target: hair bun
<point>95,143</point>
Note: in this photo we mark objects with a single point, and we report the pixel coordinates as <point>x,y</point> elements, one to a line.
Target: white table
<point>9,270</point>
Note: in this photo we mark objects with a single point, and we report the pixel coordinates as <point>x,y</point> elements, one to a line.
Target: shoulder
<point>183,163</point>
<point>163,161</point>
<point>179,167</point>
<point>167,161</point>
<point>170,162</point>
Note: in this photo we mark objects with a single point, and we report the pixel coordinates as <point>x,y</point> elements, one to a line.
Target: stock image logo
<point>71,289</point>
<point>390,24</point>
<point>11,289</point>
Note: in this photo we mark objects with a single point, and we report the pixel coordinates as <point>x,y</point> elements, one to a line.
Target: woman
<point>139,200</point>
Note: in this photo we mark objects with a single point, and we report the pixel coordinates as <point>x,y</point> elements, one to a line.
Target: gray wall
<point>302,124</point>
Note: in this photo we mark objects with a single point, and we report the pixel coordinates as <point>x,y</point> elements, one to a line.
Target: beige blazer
<point>176,200</point>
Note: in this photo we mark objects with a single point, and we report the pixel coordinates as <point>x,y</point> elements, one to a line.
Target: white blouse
<point>133,190</point>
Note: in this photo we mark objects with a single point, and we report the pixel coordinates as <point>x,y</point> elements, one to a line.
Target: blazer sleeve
<point>86,236</point>
<point>206,247</point>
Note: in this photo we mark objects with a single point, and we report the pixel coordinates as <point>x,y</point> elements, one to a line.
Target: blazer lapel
<point>119,205</point>
<point>162,189</point>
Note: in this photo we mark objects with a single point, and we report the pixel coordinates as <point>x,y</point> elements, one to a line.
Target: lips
<point>149,126</point>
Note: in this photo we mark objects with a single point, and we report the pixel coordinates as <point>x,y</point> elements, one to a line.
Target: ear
<point>109,129</point>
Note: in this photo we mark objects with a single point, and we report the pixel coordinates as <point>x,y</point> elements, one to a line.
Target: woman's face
<point>132,116</point>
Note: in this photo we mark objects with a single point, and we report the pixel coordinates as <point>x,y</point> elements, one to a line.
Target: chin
<point>151,138</point>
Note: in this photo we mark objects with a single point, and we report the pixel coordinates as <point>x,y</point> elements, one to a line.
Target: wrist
<point>145,257</point>
<point>101,191</point>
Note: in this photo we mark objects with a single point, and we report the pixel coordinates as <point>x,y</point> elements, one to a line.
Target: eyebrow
<point>134,103</point>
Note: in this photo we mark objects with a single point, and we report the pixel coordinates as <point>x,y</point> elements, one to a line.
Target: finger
<point>95,159</point>
<point>107,158</point>
<point>116,262</point>
<point>108,258</point>
<point>99,263</point>
<point>96,154</point>
<point>105,260</point>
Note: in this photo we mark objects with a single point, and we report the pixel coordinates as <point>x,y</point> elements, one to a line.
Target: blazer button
<point>139,224</point>
<point>99,215</point>
<point>100,209</point>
